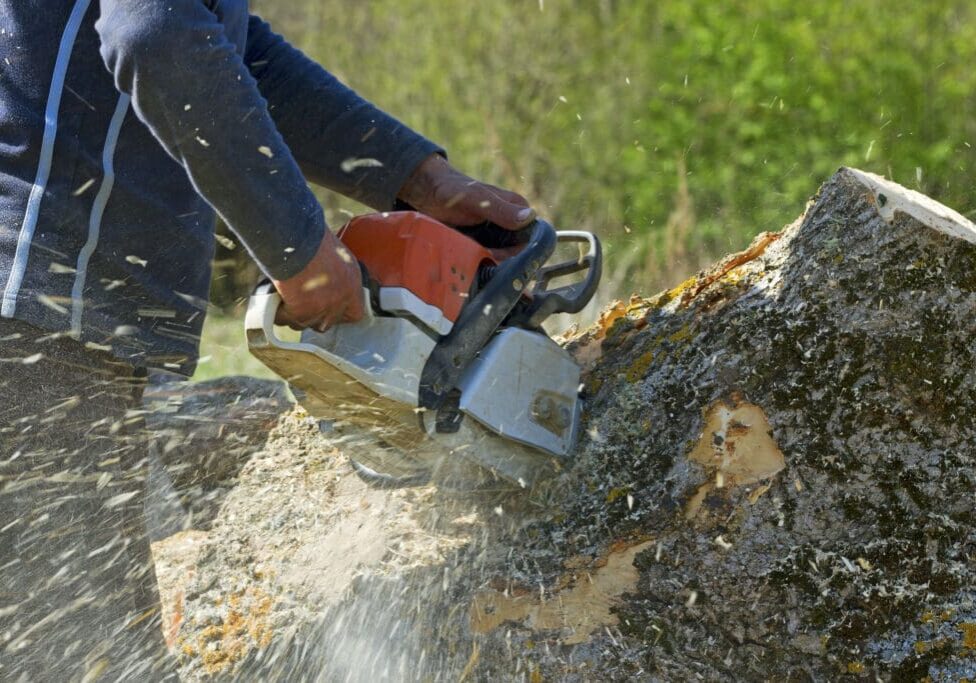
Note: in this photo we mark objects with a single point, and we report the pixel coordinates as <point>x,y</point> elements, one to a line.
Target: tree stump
<point>775,483</point>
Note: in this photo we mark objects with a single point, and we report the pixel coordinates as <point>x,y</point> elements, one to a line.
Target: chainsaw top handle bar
<point>483,315</point>
<point>532,311</point>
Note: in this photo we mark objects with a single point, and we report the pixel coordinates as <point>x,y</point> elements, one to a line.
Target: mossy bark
<point>781,449</point>
<point>853,333</point>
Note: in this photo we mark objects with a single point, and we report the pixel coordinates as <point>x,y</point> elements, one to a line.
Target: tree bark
<point>775,483</point>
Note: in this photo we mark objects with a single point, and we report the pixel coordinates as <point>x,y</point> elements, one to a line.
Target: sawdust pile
<point>291,538</point>
<point>776,483</point>
<point>337,573</point>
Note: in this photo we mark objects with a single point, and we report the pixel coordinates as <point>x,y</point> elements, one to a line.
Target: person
<point>126,126</point>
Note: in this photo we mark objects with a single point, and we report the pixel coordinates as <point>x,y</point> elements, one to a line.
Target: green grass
<point>676,129</point>
<point>223,350</point>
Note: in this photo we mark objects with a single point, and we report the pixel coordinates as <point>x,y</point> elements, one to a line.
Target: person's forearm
<point>340,140</point>
<point>189,85</point>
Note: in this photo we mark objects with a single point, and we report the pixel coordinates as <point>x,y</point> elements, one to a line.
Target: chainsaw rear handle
<point>260,319</point>
<point>266,292</point>
<point>265,302</point>
<point>483,315</point>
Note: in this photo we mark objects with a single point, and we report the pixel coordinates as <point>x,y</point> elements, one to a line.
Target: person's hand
<point>328,290</point>
<point>438,190</point>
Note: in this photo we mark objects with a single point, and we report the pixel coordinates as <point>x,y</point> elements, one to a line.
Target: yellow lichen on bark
<point>245,627</point>
<point>968,635</point>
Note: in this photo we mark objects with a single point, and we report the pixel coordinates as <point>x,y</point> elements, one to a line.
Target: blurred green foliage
<point>676,129</point>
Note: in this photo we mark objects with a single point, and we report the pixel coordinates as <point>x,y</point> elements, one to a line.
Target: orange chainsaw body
<point>436,263</point>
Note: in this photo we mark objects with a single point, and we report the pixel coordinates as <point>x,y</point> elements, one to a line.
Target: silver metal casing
<point>525,387</point>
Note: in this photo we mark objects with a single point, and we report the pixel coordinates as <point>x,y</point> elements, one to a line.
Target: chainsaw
<point>450,367</point>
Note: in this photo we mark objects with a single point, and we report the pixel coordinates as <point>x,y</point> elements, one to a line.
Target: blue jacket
<point>126,124</point>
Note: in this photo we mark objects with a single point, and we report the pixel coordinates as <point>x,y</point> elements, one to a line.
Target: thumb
<point>504,213</point>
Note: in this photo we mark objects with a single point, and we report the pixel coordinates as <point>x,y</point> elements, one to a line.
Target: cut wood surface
<point>775,482</point>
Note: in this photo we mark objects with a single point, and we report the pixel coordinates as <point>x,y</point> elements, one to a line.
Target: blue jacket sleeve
<point>190,86</point>
<point>340,140</point>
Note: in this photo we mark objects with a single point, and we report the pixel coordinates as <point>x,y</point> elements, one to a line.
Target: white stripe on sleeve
<point>98,210</point>
<point>17,270</point>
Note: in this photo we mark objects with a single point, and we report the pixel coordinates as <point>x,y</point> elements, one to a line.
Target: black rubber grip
<point>482,316</point>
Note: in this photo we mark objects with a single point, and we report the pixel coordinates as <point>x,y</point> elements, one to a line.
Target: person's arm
<point>191,88</point>
<point>340,140</point>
